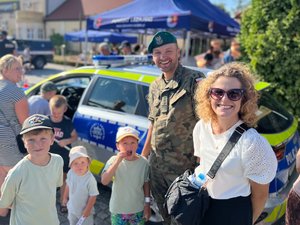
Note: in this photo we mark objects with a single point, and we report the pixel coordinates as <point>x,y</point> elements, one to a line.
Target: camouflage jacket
<point>172,114</point>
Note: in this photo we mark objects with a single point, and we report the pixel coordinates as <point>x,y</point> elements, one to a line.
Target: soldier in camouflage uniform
<point>172,117</point>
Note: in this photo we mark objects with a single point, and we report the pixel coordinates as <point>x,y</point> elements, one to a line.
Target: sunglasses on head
<point>233,94</point>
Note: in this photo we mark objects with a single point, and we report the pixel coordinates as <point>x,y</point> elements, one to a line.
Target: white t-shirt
<point>31,190</point>
<point>80,189</point>
<point>251,158</point>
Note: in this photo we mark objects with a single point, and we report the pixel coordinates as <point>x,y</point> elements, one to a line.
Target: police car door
<point>108,104</point>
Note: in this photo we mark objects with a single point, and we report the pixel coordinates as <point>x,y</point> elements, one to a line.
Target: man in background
<point>233,53</point>
<point>6,46</point>
<point>39,104</point>
<point>125,48</point>
<point>104,49</point>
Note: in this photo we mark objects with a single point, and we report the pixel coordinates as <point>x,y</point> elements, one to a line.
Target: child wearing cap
<point>81,188</point>
<point>64,134</point>
<point>130,197</point>
<point>30,186</point>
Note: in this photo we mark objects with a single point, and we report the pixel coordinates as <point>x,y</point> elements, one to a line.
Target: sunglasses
<point>232,94</point>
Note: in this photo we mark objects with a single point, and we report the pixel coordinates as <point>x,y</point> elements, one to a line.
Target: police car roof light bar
<point>112,60</point>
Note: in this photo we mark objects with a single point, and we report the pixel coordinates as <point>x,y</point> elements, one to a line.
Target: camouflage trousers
<point>162,174</point>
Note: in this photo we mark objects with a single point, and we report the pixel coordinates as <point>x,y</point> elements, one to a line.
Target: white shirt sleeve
<point>92,186</point>
<point>258,157</point>
<point>196,139</point>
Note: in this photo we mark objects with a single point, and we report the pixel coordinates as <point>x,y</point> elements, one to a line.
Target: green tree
<point>270,37</point>
<point>57,40</point>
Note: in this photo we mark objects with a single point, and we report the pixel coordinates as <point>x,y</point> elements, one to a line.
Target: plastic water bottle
<point>80,221</point>
<point>197,181</point>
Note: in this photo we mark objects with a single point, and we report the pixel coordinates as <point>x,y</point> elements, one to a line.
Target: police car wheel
<point>39,63</point>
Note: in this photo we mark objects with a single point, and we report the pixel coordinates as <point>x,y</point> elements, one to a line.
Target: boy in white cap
<point>30,186</point>
<point>130,197</point>
<point>81,188</point>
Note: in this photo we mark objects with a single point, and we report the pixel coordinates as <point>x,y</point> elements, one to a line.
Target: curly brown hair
<point>249,101</point>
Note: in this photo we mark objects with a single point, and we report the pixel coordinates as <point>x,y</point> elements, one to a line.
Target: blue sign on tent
<point>199,15</point>
<point>98,36</point>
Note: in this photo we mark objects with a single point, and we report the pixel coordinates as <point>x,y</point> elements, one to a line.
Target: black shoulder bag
<point>19,140</point>
<point>187,204</point>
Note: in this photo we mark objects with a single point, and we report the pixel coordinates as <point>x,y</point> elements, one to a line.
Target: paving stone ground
<point>102,214</point>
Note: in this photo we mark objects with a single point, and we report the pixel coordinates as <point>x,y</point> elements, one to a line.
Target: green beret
<point>161,38</point>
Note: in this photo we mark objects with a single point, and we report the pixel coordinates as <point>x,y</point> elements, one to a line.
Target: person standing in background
<point>6,46</point>
<point>233,53</point>
<point>104,49</point>
<point>13,112</point>
<point>217,53</point>
<point>125,48</point>
<point>39,104</point>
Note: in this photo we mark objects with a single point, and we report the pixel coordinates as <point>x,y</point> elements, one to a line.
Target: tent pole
<point>85,47</point>
<point>187,45</point>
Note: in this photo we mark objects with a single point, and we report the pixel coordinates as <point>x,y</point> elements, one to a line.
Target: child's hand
<point>86,213</point>
<point>147,212</point>
<point>121,155</point>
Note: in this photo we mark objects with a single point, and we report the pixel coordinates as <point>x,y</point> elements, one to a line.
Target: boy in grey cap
<point>30,186</point>
<point>39,104</point>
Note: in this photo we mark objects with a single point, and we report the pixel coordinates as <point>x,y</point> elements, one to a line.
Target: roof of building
<point>80,9</point>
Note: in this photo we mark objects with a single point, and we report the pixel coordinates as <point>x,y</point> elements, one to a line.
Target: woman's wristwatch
<point>147,200</point>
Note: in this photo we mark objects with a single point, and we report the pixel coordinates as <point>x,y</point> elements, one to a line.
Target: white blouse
<point>251,158</point>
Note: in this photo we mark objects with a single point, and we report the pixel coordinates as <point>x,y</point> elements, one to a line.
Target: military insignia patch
<point>159,40</point>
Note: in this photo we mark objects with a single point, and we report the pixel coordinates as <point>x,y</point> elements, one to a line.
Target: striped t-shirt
<point>9,124</point>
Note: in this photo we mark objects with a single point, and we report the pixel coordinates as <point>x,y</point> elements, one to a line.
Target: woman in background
<point>13,112</point>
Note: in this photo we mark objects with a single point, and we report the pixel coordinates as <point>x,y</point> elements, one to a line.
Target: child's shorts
<point>125,219</point>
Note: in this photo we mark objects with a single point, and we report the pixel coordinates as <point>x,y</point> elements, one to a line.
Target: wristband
<point>147,199</point>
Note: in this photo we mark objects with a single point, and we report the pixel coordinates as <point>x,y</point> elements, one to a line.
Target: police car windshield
<point>273,116</point>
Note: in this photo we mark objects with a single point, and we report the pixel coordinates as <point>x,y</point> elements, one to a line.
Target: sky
<point>230,5</point>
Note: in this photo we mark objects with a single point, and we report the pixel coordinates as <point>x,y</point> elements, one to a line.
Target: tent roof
<point>98,36</point>
<point>167,14</point>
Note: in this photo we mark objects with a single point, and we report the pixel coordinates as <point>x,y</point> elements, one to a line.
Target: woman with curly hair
<point>238,193</point>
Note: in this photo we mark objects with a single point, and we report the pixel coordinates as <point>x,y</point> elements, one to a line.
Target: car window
<point>81,82</point>
<point>117,95</point>
<point>273,117</point>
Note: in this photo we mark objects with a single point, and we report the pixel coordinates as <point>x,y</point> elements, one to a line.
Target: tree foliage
<point>270,37</point>
<point>57,40</point>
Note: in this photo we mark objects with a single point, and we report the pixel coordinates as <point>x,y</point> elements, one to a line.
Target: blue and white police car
<point>113,93</point>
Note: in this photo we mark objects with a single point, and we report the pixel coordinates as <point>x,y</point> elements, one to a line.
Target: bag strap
<point>227,149</point>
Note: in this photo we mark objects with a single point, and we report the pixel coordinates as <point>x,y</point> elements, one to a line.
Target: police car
<point>113,93</point>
